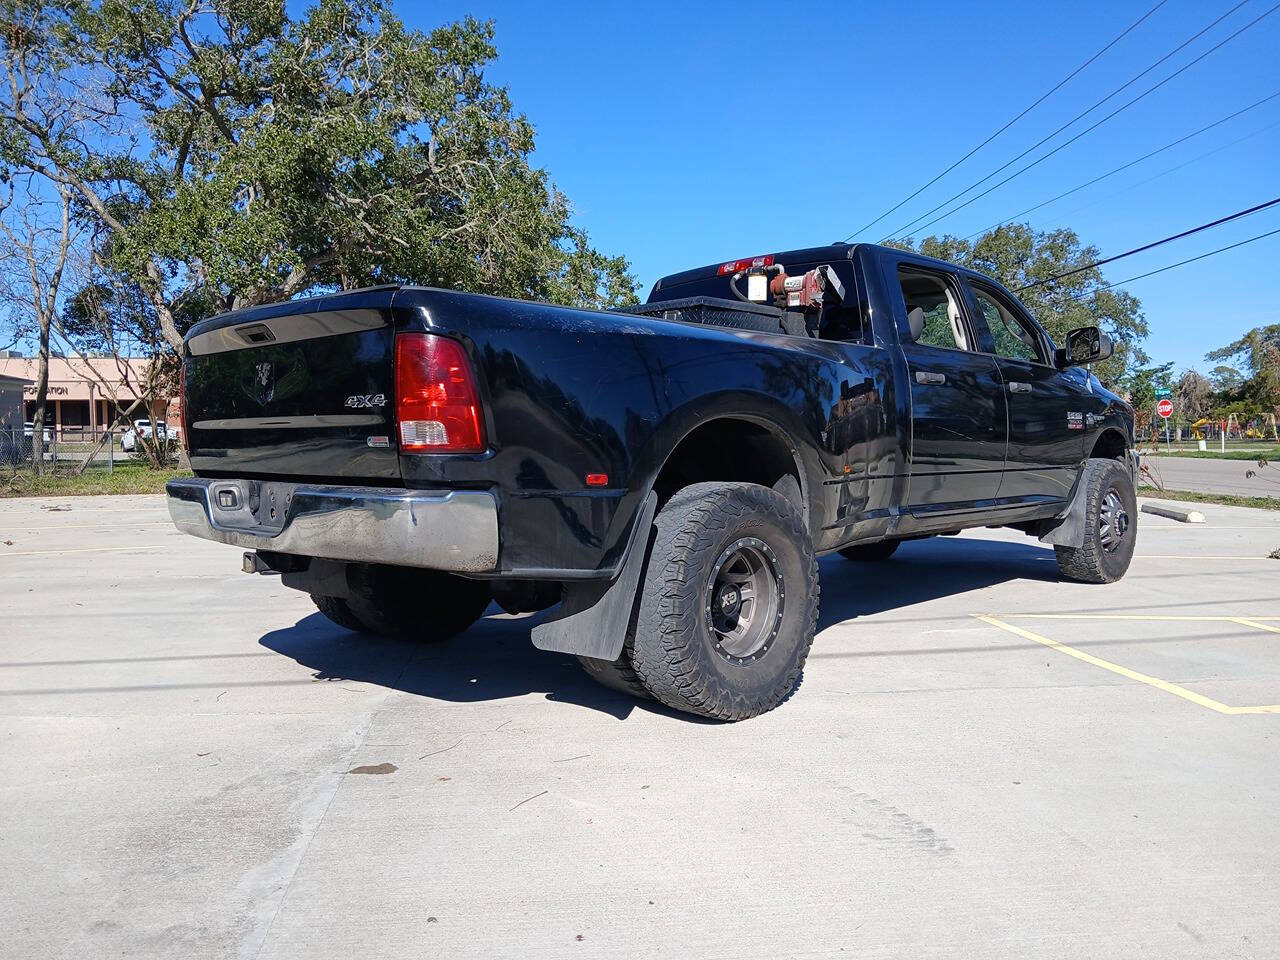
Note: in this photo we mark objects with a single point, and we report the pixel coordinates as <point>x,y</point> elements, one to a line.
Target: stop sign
<point>1165,408</point>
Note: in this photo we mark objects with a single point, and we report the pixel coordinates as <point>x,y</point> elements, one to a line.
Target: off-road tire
<point>617,674</point>
<point>336,609</point>
<point>404,602</point>
<point>871,552</point>
<point>1092,562</point>
<point>674,651</point>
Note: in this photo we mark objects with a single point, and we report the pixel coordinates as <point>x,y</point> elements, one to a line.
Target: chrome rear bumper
<point>453,530</point>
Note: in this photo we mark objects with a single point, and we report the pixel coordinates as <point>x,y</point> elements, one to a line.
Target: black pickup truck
<point>660,479</point>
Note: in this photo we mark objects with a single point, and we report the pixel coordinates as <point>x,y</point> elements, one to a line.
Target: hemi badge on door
<point>379,441</point>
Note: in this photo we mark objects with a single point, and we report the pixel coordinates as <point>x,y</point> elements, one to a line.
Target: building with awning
<point>79,404</point>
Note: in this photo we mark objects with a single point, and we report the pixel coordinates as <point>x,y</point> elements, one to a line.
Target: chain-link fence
<point>66,451</point>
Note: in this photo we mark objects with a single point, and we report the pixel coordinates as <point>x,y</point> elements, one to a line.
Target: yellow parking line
<point>1156,682</point>
<point>33,553</point>
<point>1251,622</point>
<point>1129,616</point>
<point>1258,623</point>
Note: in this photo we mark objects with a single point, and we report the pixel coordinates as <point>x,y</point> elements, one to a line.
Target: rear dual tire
<point>405,602</point>
<point>619,675</point>
<point>728,605</point>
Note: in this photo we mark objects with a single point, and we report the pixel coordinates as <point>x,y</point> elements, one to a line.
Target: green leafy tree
<point>1225,379</point>
<point>1023,259</point>
<point>225,154</point>
<point>1141,385</point>
<point>1255,357</point>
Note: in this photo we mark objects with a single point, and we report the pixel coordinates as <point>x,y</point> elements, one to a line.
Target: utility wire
<point>1126,166</point>
<point>1155,243</point>
<point>1180,263</point>
<point>1173,169</point>
<point>1087,129</point>
<point>1061,83</point>
<point>1082,114</point>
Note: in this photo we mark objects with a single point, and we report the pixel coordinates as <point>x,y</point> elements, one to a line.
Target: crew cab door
<point>958,420</point>
<point>1046,416</point>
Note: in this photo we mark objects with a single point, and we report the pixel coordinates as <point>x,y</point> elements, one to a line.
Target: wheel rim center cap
<point>729,600</point>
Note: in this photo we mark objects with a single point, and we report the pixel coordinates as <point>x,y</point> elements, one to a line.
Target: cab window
<point>1013,335</point>
<point>933,310</point>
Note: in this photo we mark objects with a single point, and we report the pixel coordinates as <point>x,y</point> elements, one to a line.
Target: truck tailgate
<point>307,392</point>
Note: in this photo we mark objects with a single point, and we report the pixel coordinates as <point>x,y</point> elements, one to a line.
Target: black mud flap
<point>1068,530</point>
<point>592,619</point>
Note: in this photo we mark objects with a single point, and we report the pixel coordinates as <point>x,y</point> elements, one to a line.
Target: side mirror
<point>1084,345</point>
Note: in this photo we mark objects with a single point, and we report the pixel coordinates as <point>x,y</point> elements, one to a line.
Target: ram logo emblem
<point>264,382</point>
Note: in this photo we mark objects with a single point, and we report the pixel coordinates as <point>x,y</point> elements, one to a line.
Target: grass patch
<point>126,478</point>
<point>1254,455</point>
<point>1223,499</point>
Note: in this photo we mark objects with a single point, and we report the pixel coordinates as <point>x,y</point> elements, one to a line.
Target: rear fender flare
<point>742,405</point>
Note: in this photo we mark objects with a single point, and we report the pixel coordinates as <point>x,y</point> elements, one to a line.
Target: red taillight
<point>737,266</point>
<point>436,405</point>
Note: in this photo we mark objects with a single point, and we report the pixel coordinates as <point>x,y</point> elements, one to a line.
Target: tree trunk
<point>42,396</point>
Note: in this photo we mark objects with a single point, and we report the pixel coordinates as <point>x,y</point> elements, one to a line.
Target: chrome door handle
<point>924,376</point>
<point>1019,388</point>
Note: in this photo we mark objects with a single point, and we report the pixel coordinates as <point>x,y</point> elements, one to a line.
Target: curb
<point>1173,511</point>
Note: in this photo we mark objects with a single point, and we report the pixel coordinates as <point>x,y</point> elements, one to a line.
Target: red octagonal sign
<point>1165,408</point>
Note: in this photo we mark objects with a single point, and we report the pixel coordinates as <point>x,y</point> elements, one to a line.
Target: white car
<point>29,429</point>
<point>141,428</point>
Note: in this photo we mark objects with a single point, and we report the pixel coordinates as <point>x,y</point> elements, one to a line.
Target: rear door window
<point>933,310</point>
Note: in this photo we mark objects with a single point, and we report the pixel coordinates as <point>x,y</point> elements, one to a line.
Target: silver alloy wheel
<point>1113,521</point>
<point>744,600</point>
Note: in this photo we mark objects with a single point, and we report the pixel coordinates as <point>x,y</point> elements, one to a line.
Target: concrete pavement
<point>197,764</point>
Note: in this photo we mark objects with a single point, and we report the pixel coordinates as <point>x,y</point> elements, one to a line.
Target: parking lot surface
<point>981,761</point>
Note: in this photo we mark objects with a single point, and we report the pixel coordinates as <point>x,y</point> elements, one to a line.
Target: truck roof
<point>833,251</point>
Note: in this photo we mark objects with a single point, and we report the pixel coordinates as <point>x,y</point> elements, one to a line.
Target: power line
<point>1150,246</point>
<point>1098,123</point>
<point>1082,114</point>
<point>1126,166</point>
<point>1061,83</point>
<point>1174,169</point>
<point>1180,263</point>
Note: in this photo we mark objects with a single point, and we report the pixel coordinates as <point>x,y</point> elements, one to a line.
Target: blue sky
<point>690,133</point>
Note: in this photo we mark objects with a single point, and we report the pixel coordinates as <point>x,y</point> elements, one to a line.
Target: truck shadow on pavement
<point>924,570</point>
<point>495,659</point>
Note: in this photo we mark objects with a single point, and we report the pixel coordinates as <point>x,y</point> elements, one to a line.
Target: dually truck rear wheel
<point>336,609</point>
<point>617,674</point>
<point>406,602</point>
<point>729,601</point>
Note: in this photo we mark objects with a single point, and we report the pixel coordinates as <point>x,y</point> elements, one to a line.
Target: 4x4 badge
<point>366,400</point>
